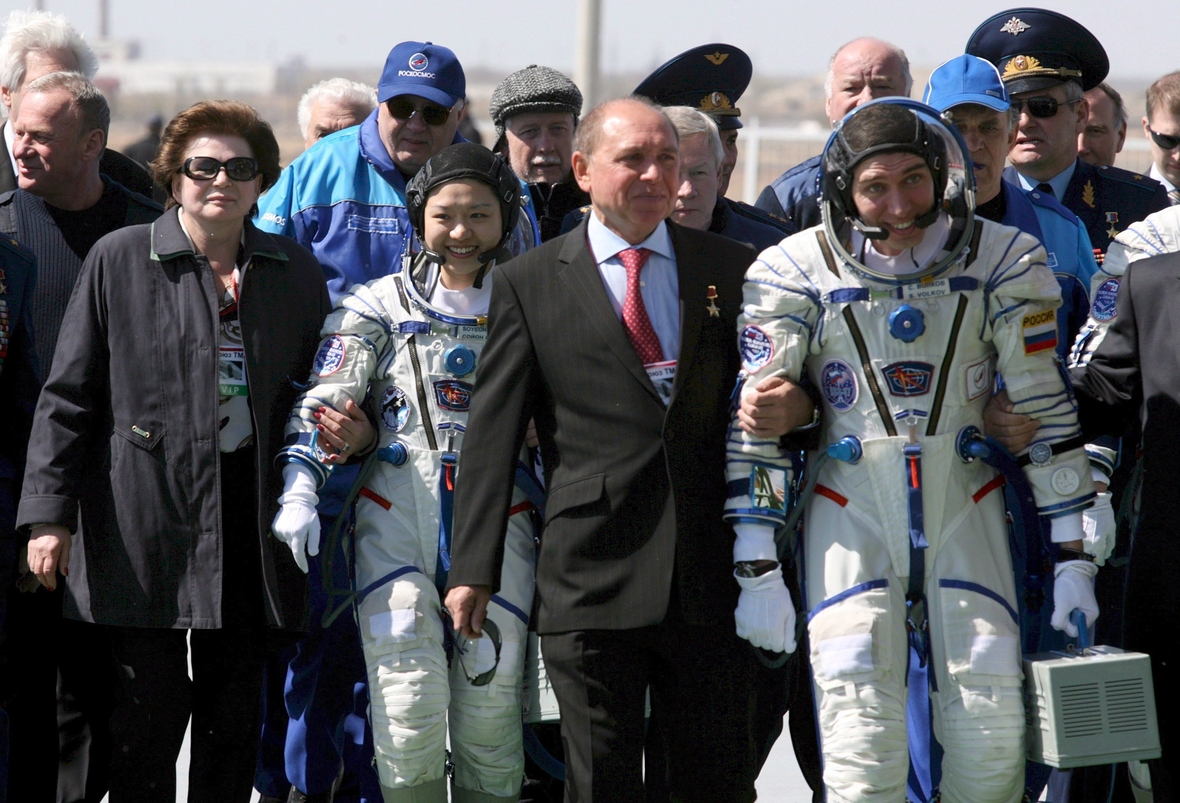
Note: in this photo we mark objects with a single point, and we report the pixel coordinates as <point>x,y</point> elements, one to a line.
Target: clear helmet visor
<point>950,218</point>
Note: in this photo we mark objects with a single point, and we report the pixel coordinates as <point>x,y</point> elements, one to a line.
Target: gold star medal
<point>1112,218</point>
<point>711,297</point>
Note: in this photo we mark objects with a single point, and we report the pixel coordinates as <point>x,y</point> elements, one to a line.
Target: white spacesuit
<point>903,535</point>
<point>400,340</point>
<point>1156,234</point>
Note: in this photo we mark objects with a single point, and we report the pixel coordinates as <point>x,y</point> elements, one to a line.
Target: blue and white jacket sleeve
<point>782,307</point>
<point>1024,302</point>
<point>357,339</point>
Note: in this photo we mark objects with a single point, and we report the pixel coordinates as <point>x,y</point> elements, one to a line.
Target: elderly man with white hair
<point>36,43</point>
<point>860,71</point>
<point>333,105</point>
<point>698,198</point>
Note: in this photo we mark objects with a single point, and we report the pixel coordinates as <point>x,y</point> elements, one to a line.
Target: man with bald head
<point>634,573</point>
<point>860,71</point>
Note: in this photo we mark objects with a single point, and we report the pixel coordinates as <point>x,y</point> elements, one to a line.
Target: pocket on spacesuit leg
<point>849,636</point>
<point>401,613</point>
<point>981,637</point>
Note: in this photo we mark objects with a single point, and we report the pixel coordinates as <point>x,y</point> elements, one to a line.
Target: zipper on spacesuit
<point>867,367</point>
<point>945,371</point>
<point>423,399</point>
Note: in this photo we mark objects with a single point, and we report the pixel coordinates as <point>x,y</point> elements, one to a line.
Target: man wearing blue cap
<point>345,200</point>
<point>970,93</point>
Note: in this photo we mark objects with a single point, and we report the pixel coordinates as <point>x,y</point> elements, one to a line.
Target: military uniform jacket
<point>127,424</point>
<point>1108,199</point>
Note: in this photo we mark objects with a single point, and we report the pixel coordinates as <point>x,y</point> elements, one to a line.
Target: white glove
<point>765,616</point>
<point>1073,588</point>
<point>297,524</point>
<point>1099,528</point>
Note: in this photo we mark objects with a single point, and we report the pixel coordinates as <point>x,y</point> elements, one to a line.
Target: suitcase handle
<point>1079,621</point>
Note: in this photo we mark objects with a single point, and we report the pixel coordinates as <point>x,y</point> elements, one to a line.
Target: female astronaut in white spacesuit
<point>410,341</point>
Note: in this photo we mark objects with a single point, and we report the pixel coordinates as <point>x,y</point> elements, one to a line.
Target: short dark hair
<point>225,117</point>
<point>1120,109</point>
<point>880,124</point>
<point>589,132</point>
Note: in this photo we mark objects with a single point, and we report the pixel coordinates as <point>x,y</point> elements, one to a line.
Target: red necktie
<point>635,321</point>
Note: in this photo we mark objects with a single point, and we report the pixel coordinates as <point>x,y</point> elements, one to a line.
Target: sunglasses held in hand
<point>205,168</point>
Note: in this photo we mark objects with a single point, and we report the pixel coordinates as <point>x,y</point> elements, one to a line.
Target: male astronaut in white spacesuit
<point>411,342</point>
<point>900,309</point>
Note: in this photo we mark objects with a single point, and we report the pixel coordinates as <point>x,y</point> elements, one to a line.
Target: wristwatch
<point>1064,554</point>
<point>753,568</point>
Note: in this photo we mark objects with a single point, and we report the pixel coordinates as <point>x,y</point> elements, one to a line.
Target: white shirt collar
<point>606,244</point>
<point>1158,176</point>
<point>10,141</point>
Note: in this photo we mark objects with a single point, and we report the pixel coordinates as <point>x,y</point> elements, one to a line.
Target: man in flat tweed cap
<point>535,111</point>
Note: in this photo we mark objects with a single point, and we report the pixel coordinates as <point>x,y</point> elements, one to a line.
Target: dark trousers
<point>702,692</point>
<point>157,697</point>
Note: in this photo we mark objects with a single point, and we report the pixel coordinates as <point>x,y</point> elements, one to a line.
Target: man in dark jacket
<point>36,43</point>
<point>64,205</point>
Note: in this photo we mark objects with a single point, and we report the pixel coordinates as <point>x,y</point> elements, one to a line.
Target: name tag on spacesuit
<point>662,375</point>
<point>940,287</point>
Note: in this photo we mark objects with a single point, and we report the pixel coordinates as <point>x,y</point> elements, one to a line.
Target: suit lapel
<point>1083,201</point>
<point>580,271</point>
<point>690,271</point>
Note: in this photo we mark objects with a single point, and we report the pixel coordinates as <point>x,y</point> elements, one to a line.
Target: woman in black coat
<point>157,428</point>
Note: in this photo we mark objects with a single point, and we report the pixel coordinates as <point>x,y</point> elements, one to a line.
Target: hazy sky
<point>781,36</point>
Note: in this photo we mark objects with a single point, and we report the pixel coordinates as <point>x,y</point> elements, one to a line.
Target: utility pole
<point>586,53</point>
<point>104,27</point>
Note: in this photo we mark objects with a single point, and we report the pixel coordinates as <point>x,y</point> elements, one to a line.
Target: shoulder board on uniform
<point>1137,180</point>
<point>11,247</point>
<point>758,216</point>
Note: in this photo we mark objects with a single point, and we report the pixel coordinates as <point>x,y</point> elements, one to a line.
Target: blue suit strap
<point>1019,212</point>
<point>512,609</point>
<point>385,579</point>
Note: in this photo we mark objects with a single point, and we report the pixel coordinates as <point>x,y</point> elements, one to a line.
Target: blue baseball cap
<point>966,79</point>
<point>423,69</point>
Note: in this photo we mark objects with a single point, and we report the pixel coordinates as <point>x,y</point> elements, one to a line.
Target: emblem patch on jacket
<point>837,381</point>
<point>395,409</point>
<point>451,394</point>
<point>756,347</point>
<point>1040,331</point>
<point>1104,308</point>
<point>330,356</point>
<point>908,378</point>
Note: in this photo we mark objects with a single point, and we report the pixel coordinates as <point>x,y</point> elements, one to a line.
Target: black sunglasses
<point>1165,141</point>
<point>205,168</point>
<point>1041,107</point>
<point>490,631</point>
<point>402,108</point>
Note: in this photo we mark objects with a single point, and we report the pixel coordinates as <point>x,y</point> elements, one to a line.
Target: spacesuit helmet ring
<point>887,126</point>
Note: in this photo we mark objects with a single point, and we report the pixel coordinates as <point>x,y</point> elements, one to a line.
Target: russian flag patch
<point>1040,331</point>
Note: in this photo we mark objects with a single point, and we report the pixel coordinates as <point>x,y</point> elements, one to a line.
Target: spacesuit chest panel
<point>881,359</point>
